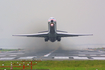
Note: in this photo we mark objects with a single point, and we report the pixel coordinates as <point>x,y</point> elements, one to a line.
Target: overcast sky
<point>31,16</point>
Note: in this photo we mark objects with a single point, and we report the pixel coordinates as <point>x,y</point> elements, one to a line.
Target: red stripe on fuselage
<point>51,19</point>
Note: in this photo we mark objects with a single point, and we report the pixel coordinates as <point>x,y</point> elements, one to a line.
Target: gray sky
<point>30,16</point>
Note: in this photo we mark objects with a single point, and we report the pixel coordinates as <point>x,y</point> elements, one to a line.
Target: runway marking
<point>98,58</point>
<point>23,58</point>
<point>7,58</point>
<point>2,55</point>
<point>47,55</point>
<point>81,55</point>
<point>102,55</point>
<point>61,57</point>
<point>101,51</point>
<point>76,57</point>
<point>16,53</point>
<point>12,55</point>
<point>93,55</point>
<point>31,56</point>
<point>28,57</point>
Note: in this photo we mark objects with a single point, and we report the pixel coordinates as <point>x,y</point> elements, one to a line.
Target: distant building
<point>19,49</point>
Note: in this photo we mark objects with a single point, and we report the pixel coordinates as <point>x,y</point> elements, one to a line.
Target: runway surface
<point>54,55</point>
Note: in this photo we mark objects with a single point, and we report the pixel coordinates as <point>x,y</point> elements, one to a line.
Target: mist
<point>31,16</point>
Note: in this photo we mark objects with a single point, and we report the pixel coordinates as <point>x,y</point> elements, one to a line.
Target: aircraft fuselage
<point>52,30</point>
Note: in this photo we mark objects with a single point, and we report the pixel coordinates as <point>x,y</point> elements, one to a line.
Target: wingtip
<point>91,34</point>
<point>13,35</point>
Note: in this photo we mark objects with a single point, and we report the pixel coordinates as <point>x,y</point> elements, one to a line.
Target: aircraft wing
<point>72,35</point>
<point>33,35</point>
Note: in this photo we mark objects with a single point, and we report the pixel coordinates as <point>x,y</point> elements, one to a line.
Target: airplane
<point>52,33</point>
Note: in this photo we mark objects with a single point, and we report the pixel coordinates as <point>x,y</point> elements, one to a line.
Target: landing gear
<point>46,40</point>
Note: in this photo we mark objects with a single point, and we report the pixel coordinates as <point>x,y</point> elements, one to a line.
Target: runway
<point>55,55</point>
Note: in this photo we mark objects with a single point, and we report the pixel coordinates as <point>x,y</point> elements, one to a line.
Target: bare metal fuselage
<point>52,31</point>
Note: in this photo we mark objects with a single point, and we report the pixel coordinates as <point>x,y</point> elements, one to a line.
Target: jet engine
<point>58,38</point>
<point>46,39</point>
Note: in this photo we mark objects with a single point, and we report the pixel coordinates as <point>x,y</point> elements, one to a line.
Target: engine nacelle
<point>58,38</point>
<point>46,39</point>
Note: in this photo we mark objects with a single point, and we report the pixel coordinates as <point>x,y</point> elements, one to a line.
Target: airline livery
<point>52,33</point>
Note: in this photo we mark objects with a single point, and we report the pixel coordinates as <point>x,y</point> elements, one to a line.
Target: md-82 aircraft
<point>52,33</point>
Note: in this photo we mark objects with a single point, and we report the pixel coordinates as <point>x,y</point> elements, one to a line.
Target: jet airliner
<point>52,33</point>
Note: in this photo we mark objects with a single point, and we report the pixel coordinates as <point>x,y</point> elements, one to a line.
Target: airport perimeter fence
<point>25,69</point>
<point>23,65</point>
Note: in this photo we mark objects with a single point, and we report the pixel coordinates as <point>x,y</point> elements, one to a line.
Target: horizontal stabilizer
<point>43,31</point>
<point>61,31</point>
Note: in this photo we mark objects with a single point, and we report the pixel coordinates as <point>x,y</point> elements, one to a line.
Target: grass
<point>9,50</point>
<point>61,65</point>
